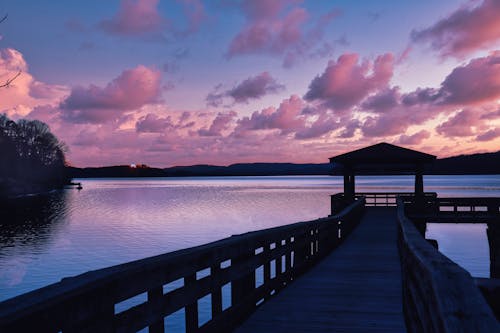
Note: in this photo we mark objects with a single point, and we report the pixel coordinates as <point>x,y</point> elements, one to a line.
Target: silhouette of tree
<point>32,157</point>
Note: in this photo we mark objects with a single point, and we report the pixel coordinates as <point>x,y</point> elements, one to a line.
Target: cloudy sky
<point>182,82</point>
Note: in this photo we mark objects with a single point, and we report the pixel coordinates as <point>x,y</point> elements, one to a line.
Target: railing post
<point>493,233</point>
<point>191,311</point>
<point>154,296</point>
<point>301,251</point>
<point>288,266</point>
<point>98,310</point>
<point>216,290</point>
<point>242,288</point>
<point>267,269</point>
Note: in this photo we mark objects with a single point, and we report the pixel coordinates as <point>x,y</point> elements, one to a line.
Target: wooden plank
<point>357,288</point>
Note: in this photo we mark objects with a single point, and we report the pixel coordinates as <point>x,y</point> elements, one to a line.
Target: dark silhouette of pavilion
<point>381,159</point>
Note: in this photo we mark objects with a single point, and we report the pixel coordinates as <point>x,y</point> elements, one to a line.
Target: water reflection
<point>112,221</point>
<point>29,223</point>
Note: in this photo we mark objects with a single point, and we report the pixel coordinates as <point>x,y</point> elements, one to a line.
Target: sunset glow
<point>167,83</point>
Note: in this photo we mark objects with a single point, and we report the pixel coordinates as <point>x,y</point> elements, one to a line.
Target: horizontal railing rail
<point>472,210</point>
<point>388,199</point>
<point>253,266</point>
<point>377,199</point>
<point>438,295</point>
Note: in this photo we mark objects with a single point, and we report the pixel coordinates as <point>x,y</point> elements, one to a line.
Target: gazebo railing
<point>378,199</point>
<point>388,199</point>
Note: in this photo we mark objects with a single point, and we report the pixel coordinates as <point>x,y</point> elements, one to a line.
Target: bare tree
<point>10,80</point>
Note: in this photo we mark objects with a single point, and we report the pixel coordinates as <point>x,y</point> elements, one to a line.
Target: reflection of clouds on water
<point>13,271</point>
<point>114,221</point>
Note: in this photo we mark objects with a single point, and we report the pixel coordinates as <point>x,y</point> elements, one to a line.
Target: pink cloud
<point>383,100</point>
<point>132,89</point>
<point>151,123</point>
<point>491,115</point>
<point>269,36</point>
<point>385,125</point>
<point>474,83</point>
<point>461,124</point>
<point>287,118</point>
<point>466,30</point>
<point>46,113</point>
<point>135,17</point>
<point>24,92</point>
<point>253,87</point>
<point>220,124</point>
<point>477,81</point>
<point>414,139</point>
<point>278,28</point>
<point>421,96</point>
<point>489,135</point>
<point>324,124</point>
<point>345,82</point>
<point>350,129</point>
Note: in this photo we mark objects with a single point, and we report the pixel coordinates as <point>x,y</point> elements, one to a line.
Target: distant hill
<point>488,163</point>
<point>250,169</point>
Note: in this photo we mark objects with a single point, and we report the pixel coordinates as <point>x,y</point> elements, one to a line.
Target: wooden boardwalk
<point>357,288</point>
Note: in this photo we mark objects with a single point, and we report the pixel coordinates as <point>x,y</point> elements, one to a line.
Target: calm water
<point>113,221</point>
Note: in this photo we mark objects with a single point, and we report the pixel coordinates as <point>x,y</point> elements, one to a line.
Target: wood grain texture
<point>357,288</point>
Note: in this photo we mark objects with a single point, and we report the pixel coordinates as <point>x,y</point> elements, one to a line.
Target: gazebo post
<point>353,188</point>
<point>348,185</point>
<point>419,181</point>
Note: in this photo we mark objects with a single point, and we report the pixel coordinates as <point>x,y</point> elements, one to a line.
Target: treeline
<point>32,158</point>
<point>487,163</point>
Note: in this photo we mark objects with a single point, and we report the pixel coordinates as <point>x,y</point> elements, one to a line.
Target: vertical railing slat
<point>216,290</point>
<point>191,310</point>
<point>154,296</point>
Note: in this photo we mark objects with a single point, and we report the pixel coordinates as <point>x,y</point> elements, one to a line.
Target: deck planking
<point>357,288</point>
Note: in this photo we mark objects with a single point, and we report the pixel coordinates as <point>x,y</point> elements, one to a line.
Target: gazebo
<point>381,159</point>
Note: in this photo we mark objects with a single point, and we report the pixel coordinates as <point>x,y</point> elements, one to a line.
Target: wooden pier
<point>357,288</point>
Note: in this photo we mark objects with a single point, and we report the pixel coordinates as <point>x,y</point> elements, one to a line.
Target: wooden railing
<point>438,295</point>
<point>471,210</point>
<point>254,266</point>
<point>377,199</point>
<point>388,199</point>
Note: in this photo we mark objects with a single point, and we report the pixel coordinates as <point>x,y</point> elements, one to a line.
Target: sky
<point>184,82</point>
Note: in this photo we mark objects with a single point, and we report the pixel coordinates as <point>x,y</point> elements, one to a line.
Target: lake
<point>112,221</point>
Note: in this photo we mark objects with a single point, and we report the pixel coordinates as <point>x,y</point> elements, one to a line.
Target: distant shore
<point>476,164</point>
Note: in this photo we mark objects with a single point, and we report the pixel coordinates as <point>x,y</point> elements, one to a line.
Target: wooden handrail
<point>470,210</point>
<point>438,295</point>
<point>87,302</point>
<point>377,199</point>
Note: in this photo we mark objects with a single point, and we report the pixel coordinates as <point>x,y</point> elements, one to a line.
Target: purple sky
<point>189,81</point>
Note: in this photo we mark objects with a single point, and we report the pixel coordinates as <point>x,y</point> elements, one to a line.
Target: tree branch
<point>9,81</point>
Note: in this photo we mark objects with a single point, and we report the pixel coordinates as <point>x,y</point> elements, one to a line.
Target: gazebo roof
<point>382,158</point>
